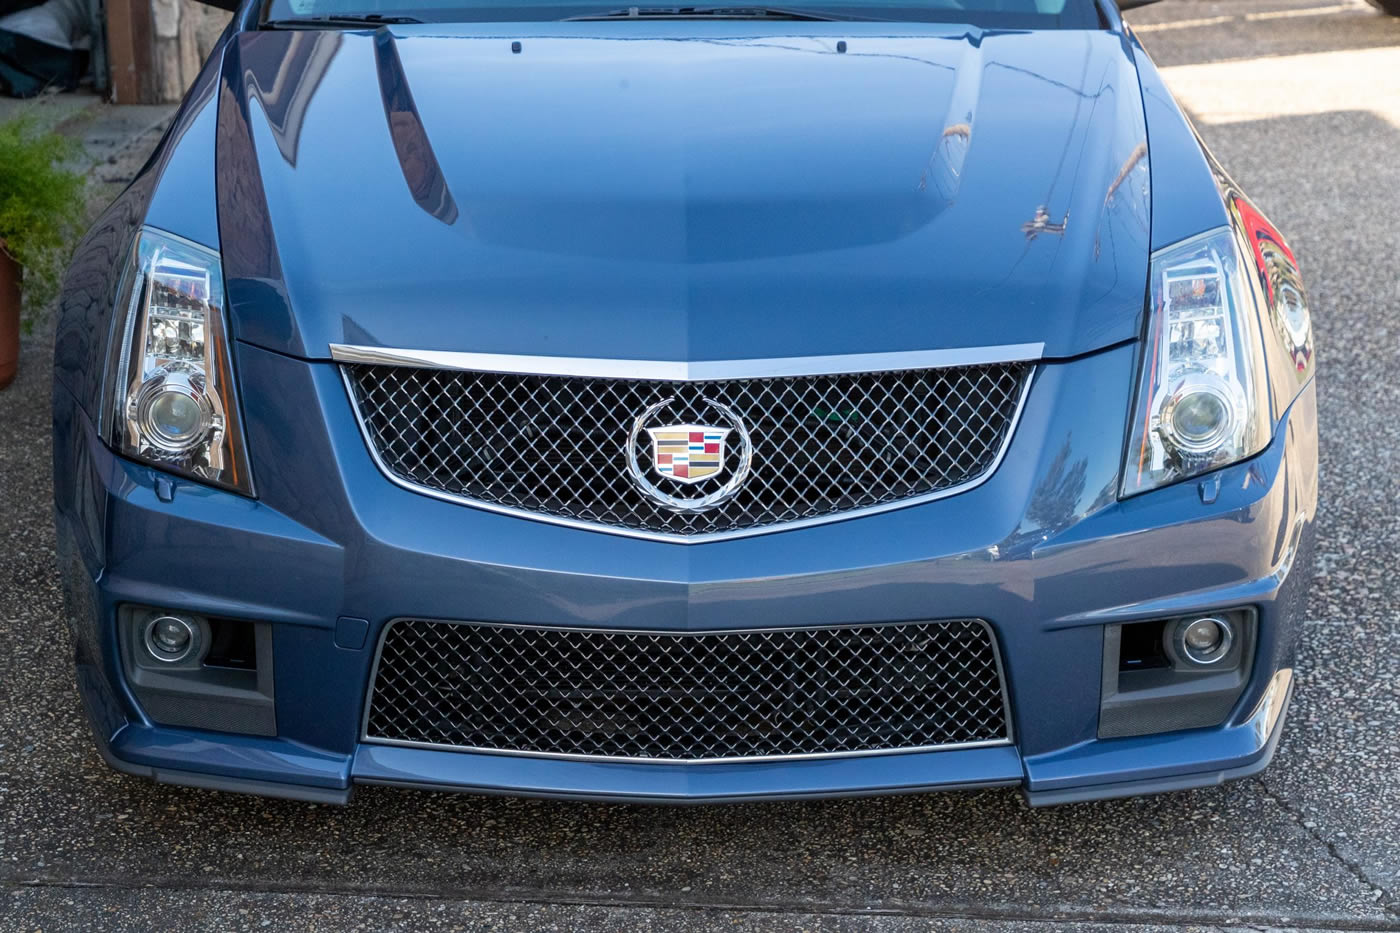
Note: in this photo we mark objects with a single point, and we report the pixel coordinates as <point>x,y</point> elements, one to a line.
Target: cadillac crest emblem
<point>689,455</point>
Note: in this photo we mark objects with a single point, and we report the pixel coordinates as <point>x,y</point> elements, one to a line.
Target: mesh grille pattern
<point>556,445</point>
<point>687,696</point>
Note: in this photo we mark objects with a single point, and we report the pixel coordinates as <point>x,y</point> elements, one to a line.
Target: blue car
<point>684,404</point>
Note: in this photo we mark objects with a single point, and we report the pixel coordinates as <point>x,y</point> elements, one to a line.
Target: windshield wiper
<point>714,12</point>
<point>342,21</point>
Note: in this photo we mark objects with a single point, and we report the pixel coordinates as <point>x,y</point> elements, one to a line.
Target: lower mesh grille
<point>687,696</point>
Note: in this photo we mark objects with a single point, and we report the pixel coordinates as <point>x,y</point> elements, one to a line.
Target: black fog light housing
<point>198,671</point>
<point>1201,641</point>
<point>1181,672</point>
<point>171,638</point>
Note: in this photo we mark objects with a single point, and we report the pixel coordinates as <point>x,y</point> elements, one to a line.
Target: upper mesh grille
<point>556,445</point>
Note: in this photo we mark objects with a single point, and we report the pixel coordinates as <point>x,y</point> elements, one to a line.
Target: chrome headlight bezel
<point>1202,348</point>
<point>169,395</point>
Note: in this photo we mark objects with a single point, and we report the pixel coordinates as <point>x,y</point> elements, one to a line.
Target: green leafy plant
<point>41,206</point>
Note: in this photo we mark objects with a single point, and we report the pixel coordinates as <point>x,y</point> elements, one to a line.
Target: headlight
<point>1202,400</point>
<point>170,393</point>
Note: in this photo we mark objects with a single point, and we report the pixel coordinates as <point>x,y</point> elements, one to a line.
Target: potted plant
<point>40,212</point>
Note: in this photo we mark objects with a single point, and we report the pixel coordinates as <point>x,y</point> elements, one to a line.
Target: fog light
<point>1205,640</point>
<point>169,638</point>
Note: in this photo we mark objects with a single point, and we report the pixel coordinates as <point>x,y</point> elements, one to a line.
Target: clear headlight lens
<point>1201,401</point>
<point>171,399</point>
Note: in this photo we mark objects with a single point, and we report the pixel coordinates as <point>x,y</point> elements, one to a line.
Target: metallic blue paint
<point>184,200</point>
<point>1178,163</point>
<point>672,191</point>
<point>714,190</point>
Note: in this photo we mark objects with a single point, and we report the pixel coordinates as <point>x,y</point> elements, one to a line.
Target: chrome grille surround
<point>693,697</point>
<point>552,447</point>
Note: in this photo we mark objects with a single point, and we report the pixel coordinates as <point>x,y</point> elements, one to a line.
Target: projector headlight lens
<point>173,412</point>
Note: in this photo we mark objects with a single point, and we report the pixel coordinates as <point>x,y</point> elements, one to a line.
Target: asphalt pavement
<point>1300,101</point>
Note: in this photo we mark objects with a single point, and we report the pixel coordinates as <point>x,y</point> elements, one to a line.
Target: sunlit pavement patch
<point>1290,85</point>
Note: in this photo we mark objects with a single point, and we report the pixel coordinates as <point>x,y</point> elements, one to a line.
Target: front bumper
<point>1042,550</point>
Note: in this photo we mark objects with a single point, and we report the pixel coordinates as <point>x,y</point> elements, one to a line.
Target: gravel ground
<point>1313,134</point>
<point>124,909</point>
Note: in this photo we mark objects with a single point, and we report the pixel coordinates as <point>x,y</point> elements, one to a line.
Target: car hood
<point>682,191</point>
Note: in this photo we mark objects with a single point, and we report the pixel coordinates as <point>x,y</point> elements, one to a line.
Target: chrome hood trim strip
<point>697,371</point>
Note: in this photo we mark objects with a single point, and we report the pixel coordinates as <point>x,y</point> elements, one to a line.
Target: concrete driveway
<point>1301,102</point>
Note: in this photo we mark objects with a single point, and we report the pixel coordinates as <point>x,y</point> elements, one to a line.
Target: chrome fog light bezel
<point>1183,649</point>
<point>153,648</point>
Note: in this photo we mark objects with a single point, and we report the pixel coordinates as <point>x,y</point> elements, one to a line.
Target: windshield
<point>988,14</point>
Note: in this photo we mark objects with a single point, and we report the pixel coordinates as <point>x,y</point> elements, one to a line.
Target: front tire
<point>1387,6</point>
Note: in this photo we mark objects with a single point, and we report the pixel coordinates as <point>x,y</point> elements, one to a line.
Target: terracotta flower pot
<point>10,274</point>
